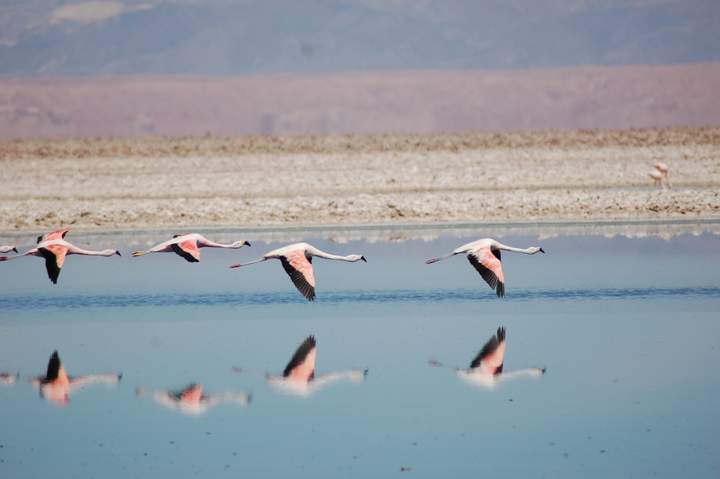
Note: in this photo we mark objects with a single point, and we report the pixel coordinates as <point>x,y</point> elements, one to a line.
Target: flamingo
<point>55,249</point>
<point>484,255</point>
<point>8,248</point>
<point>297,261</point>
<point>191,400</point>
<point>486,369</point>
<point>56,386</point>
<point>188,246</point>
<point>658,178</point>
<point>299,377</point>
<point>9,378</point>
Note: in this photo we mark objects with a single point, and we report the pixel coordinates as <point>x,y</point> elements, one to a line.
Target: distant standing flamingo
<point>299,375</point>
<point>297,261</point>
<point>484,255</point>
<point>8,248</point>
<point>188,246</point>
<point>192,401</point>
<point>55,249</point>
<point>658,178</point>
<point>56,386</point>
<point>486,369</point>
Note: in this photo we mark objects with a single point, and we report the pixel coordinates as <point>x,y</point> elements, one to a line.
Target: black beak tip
<point>118,253</point>
<point>363,258</point>
<point>247,243</point>
<point>15,249</point>
<point>542,250</point>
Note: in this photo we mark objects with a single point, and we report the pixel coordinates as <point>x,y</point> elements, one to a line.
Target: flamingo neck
<point>516,250</point>
<point>322,254</point>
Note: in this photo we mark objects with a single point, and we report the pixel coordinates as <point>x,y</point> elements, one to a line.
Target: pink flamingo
<point>56,386</point>
<point>192,401</point>
<point>486,369</point>
<point>299,375</point>
<point>484,255</point>
<point>54,250</point>
<point>8,248</point>
<point>297,261</point>
<point>188,246</point>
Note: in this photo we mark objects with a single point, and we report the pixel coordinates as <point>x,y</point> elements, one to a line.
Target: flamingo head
<point>240,244</point>
<point>356,257</point>
<point>111,252</point>
<point>535,249</point>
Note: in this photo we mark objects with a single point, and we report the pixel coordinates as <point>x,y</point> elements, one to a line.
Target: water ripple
<point>35,302</point>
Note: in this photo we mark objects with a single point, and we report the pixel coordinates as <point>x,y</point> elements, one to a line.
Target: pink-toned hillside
<point>402,101</point>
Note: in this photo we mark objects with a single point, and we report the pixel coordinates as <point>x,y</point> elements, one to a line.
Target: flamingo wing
<point>492,355</point>
<point>487,262</point>
<point>53,235</point>
<point>302,364</point>
<point>53,367</point>
<point>299,268</point>
<point>54,259</point>
<point>188,250</point>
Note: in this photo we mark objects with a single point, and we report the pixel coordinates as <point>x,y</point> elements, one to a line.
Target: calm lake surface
<point>629,330</point>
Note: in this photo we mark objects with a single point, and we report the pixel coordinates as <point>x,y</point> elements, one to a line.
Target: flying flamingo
<point>192,401</point>
<point>55,249</point>
<point>297,261</point>
<point>486,369</point>
<point>56,386</point>
<point>299,377</point>
<point>484,255</point>
<point>188,246</point>
<point>8,248</point>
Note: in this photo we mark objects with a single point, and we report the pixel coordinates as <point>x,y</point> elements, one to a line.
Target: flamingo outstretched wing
<point>492,355</point>
<point>53,367</point>
<point>53,235</point>
<point>187,249</point>
<point>54,259</point>
<point>302,364</point>
<point>487,262</point>
<point>299,268</point>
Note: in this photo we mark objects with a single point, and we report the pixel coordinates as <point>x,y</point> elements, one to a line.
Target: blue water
<point>629,330</point>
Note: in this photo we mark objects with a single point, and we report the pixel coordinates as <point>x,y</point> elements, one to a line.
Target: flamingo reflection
<point>486,369</point>
<point>192,400</point>
<point>299,377</point>
<point>9,378</point>
<point>56,386</point>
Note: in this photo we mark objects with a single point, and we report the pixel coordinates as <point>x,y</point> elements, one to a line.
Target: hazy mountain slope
<point>230,37</point>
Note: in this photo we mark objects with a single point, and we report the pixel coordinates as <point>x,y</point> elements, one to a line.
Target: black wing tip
<point>300,354</point>
<point>53,367</point>
<point>500,290</point>
<point>501,334</point>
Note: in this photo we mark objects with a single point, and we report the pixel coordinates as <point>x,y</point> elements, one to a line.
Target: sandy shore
<point>345,180</point>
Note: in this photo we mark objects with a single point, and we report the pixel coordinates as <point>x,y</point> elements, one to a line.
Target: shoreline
<point>397,232</point>
<point>555,176</point>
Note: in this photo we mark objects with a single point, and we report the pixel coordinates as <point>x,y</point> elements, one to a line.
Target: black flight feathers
<point>300,355</point>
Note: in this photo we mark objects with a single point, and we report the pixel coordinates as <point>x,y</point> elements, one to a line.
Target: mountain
<point>413,101</point>
<point>229,37</point>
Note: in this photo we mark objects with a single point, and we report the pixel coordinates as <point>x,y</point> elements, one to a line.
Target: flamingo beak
<point>247,243</point>
<point>542,250</point>
<point>118,253</point>
<point>363,258</point>
<point>15,249</point>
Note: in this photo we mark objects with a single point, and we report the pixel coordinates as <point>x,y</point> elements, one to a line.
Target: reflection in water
<point>56,386</point>
<point>9,378</point>
<point>192,401</point>
<point>486,370</point>
<point>299,377</point>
